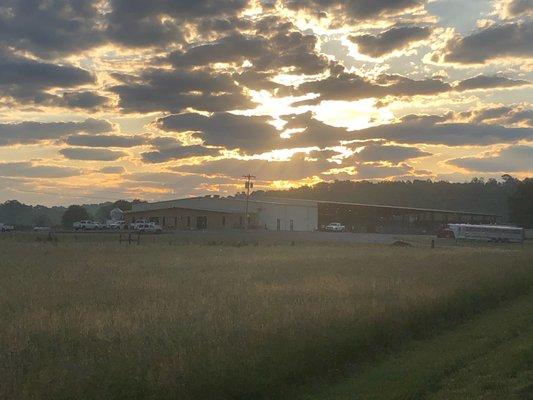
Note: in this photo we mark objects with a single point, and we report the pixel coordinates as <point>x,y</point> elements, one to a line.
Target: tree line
<point>510,197</point>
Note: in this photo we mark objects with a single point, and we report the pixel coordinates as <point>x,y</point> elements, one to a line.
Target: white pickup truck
<point>335,227</point>
<point>6,228</point>
<point>146,227</point>
<point>86,225</point>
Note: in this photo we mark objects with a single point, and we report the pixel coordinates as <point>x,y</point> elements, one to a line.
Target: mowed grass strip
<point>488,357</point>
<point>100,321</point>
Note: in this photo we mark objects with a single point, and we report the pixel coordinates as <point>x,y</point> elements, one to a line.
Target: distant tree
<point>72,214</point>
<point>521,204</point>
<point>42,220</point>
<point>124,205</point>
<point>102,214</point>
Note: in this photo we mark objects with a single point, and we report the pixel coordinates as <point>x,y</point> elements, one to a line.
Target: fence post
<point>129,238</point>
<point>432,243</point>
<point>139,238</point>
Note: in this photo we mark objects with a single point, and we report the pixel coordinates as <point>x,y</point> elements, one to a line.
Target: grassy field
<point>489,358</point>
<point>90,320</point>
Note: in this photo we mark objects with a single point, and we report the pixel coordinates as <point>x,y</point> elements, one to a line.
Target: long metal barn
<point>281,214</point>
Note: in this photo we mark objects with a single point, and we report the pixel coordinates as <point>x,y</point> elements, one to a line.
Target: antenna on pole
<point>249,184</point>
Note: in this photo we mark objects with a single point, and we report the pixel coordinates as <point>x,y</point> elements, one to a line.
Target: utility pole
<point>247,185</point>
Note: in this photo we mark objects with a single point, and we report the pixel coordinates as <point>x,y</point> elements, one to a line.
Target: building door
<point>278,225</point>
<point>201,222</point>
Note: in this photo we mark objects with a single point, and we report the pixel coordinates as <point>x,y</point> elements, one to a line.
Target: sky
<point>161,99</point>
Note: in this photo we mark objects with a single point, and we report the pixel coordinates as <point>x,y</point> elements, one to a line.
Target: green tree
<point>102,214</point>
<point>72,214</point>
<point>124,205</point>
<point>42,220</point>
<point>521,204</point>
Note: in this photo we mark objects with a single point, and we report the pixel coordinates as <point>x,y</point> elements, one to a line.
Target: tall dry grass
<point>99,321</point>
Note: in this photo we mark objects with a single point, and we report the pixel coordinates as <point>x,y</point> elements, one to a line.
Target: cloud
<point>29,132</point>
<point>175,91</point>
<point>28,81</point>
<point>518,158</point>
<point>503,115</point>
<point>247,133</point>
<point>27,169</point>
<point>489,82</point>
<point>282,47</point>
<point>74,153</point>
<point>355,10</point>
<point>396,38</point>
<point>314,132</point>
<point>112,170</point>
<point>105,140</point>
<point>391,153</point>
<point>380,171</point>
<point>514,8</point>
<point>509,40</point>
<point>82,99</point>
<point>426,130</point>
<point>161,22</point>
<point>298,167</point>
<point>351,86</point>
<point>51,28</point>
<point>178,152</point>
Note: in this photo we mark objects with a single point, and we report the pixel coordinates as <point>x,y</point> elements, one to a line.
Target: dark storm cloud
<point>298,167</point>
<point>396,38</point>
<point>391,153</point>
<point>517,158</point>
<point>489,82</point>
<point>75,153</point>
<point>178,152</point>
<point>350,86</point>
<point>497,41</point>
<point>450,134</point>
<point>140,23</point>
<point>51,27</point>
<point>29,132</point>
<point>174,91</point>
<point>247,133</point>
<point>356,9</point>
<point>27,169</point>
<point>105,140</point>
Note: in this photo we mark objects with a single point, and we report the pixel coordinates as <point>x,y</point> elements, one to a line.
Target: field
<point>99,320</point>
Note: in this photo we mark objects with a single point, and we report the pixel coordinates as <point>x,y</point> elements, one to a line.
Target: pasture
<point>96,320</point>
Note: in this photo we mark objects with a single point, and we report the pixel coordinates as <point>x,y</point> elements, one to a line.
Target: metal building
<point>213,212</point>
<point>282,214</point>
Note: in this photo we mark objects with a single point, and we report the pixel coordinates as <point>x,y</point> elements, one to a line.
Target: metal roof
<point>234,205</point>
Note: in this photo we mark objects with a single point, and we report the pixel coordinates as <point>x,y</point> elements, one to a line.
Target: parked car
<point>146,227</point>
<point>86,225</point>
<point>335,227</point>
<point>6,228</point>
<point>115,224</point>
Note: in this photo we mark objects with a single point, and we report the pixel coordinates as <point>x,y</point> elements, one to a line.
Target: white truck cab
<point>335,227</point>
